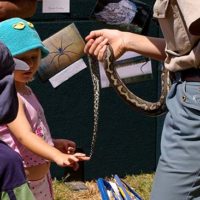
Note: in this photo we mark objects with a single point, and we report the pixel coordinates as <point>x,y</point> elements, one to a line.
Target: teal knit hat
<point>20,36</point>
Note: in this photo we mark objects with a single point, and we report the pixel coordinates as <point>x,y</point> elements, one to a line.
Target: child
<point>29,134</point>
<point>13,184</point>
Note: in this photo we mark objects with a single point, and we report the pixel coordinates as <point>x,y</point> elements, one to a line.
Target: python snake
<point>138,104</point>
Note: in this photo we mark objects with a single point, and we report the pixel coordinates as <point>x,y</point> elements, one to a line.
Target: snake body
<point>138,104</point>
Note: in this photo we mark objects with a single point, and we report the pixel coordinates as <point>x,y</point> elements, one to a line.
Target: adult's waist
<point>190,75</point>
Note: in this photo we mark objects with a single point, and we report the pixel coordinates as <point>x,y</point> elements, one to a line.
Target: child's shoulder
<point>29,90</point>
<point>26,91</point>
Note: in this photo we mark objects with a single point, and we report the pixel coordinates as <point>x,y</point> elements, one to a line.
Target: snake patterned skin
<point>138,104</point>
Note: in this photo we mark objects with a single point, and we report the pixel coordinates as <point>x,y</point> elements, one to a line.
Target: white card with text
<point>56,6</point>
<point>129,70</point>
<point>67,73</point>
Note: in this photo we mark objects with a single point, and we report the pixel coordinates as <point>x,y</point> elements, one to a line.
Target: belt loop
<point>175,76</point>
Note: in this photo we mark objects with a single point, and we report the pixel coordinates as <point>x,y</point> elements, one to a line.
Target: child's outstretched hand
<point>70,160</point>
<point>65,146</point>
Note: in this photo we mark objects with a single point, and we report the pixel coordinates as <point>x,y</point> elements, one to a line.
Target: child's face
<point>32,58</point>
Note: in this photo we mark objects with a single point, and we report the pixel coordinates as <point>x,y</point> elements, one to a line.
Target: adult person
<point>178,172</point>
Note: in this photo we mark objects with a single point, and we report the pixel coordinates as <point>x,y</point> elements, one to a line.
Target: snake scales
<point>137,103</point>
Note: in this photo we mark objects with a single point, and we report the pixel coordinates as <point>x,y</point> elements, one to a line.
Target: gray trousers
<point>178,171</point>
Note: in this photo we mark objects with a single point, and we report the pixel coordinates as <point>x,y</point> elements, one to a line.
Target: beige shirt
<point>180,24</point>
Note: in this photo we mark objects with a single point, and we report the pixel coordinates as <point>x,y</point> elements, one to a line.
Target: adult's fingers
<point>94,34</point>
<point>100,46</point>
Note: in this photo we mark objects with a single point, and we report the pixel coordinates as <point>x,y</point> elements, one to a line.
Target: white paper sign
<point>127,70</point>
<point>68,72</point>
<point>56,6</point>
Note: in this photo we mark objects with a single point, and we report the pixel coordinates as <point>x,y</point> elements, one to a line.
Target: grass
<point>141,183</point>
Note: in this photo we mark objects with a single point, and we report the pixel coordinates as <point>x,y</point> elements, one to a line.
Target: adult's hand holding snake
<point>97,41</point>
<point>123,41</point>
<point>107,45</point>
